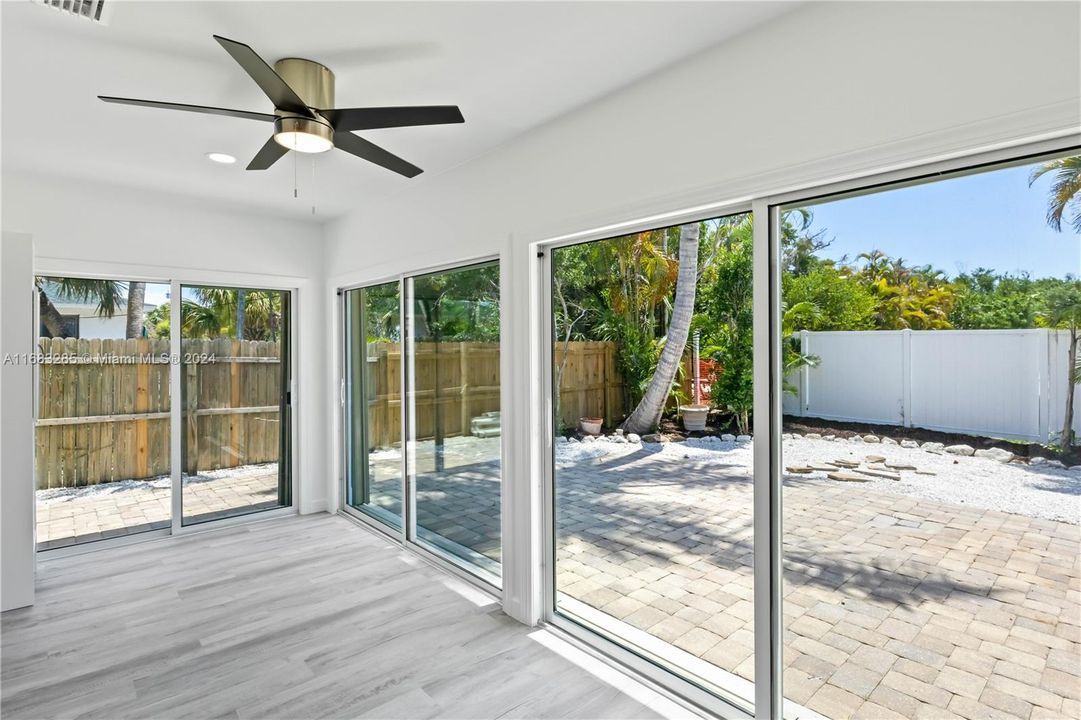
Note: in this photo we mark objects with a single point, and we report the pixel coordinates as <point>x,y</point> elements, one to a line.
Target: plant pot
<point>590,425</point>
<point>694,417</point>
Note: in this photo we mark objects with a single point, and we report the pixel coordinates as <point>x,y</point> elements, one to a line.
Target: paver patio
<point>893,606</point>
<point>67,517</point>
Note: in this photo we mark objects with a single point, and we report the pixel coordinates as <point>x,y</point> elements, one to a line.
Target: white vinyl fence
<point>996,383</point>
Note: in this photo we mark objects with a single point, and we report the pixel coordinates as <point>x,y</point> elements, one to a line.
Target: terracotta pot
<point>590,425</point>
<point>694,417</point>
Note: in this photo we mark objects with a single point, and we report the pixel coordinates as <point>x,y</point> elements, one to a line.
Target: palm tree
<point>647,415</point>
<point>1065,190</point>
<point>136,310</point>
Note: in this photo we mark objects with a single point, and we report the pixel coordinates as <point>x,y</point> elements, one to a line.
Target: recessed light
<point>222,158</point>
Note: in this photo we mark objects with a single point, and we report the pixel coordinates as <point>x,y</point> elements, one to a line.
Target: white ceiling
<point>510,67</point>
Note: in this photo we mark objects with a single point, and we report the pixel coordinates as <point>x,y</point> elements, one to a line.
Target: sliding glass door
<point>372,393</point>
<point>235,394</point>
<point>102,459</point>
<point>454,415</point>
<point>652,462</point>
<point>439,343</point>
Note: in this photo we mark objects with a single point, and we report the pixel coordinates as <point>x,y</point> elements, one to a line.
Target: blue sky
<point>993,220</point>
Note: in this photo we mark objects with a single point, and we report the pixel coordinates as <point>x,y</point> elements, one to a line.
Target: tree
<point>840,302</point>
<point>136,310</point>
<point>647,414</point>
<point>1065,190</point>
<point>1063,311</point>
<point>729,315</point>
<point>108,294</point>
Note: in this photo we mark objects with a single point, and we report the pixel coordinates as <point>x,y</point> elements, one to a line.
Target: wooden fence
<point>456,382</point>
<point>104,404</point>
<point>103,410</point>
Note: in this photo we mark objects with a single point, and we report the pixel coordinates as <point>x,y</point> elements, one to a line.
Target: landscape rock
<point>831,438</point>
<point>619,431</point>
<point>909,444</point>
<point>573,439</point>
<point>996,454</point>
<point>842,462</point>
<point>855,439</point>
<point>846,476</point>
<point>634,438</point>
<point>653,438</point>
<point>900,466</point>
<point>888,441</point>
<point>881,473</point>
<point>743,438</point>
<point>933,447</point>
<point>871,439</point>
<point>1075,468</point>
<point>959,449</point>
<point>813,436</point>
<point>589,439</point>
<point>799,469</point>
<point>874,458</point>
<point>728,437</point>
<point>1037,460</point>
<point>925,472</point>
<point>561,439</point>
<point>1056,464</point>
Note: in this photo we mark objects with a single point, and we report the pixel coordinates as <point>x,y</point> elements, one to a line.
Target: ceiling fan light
<point>303,142</point>
<point>303,135</point>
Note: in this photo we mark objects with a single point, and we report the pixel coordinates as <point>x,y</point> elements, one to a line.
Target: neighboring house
<point>81,320</point>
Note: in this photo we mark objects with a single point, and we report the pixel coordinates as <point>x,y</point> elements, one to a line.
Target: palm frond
<point>1065,189</point>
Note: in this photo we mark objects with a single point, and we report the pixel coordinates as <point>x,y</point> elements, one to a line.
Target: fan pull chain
<point>313,184</point>
<point>295,194</point>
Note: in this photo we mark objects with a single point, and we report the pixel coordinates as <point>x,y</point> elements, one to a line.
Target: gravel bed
<point>1039,491</point>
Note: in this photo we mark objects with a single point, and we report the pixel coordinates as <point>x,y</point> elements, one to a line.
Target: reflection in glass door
<point>234,379</point>
<point>372,418</point>
<point>454,415</point>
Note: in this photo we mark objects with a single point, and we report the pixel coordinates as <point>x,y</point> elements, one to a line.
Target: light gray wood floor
<point>302,617</point>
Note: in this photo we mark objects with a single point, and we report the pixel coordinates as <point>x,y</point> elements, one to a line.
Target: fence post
<point>463,372</point>
<point>804,373</point>
<point>906,378</point>
<point>1045,365</point>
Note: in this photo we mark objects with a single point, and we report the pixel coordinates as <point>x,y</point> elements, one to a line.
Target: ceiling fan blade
<point>205,109</point>
<point>283,96</point>
<point>387,117</point>
<point>269,154</point>
<point>360,147</point>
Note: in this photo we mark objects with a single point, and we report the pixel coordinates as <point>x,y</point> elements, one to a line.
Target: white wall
<point>104,230</point>
<point>16,423</point>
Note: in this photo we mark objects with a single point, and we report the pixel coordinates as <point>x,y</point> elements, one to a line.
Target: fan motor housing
<point>312,81</point>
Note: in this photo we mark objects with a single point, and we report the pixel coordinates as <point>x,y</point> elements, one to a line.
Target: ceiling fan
<point>305,119</point>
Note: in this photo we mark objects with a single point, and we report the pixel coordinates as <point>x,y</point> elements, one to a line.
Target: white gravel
<point>52,495</point>
<point>1036,491</point>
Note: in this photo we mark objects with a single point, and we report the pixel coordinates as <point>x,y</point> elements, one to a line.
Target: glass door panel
<point>102,431</point>
<point>373,427</point>
<point>454,414</point>
<point>654,516</point>
<point>234,367</point>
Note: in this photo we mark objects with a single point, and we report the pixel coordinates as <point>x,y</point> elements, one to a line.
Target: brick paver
<point>116,509</point>
<point>893,606</point>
